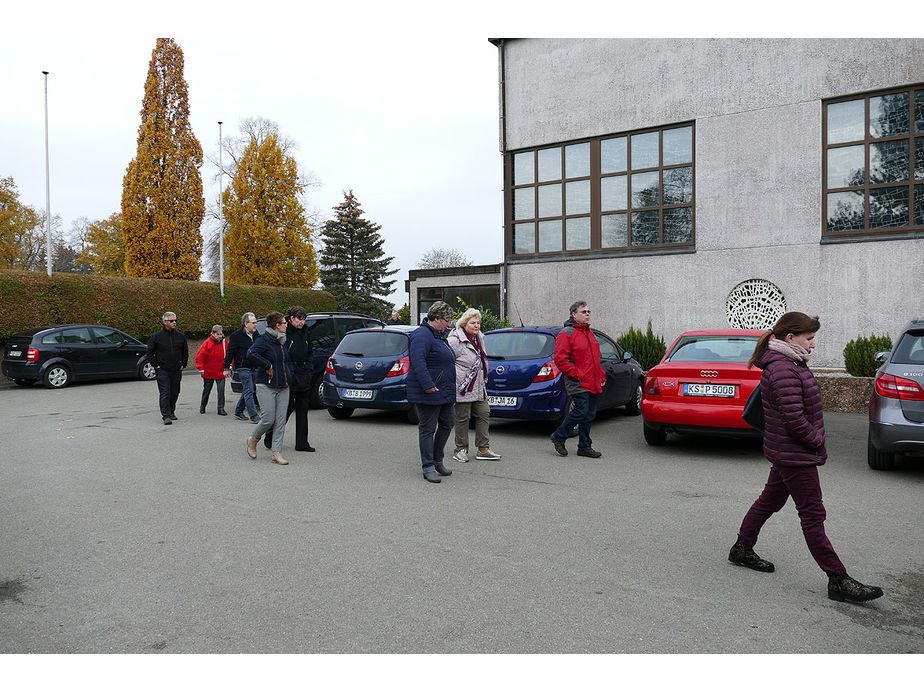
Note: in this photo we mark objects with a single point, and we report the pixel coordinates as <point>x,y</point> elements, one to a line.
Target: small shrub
<point>489,321</point>
<point>647,348</point>
<point>859,352</point>
<point>404,314</point>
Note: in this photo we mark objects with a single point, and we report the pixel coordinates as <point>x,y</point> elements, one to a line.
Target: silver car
<point>896,409</point>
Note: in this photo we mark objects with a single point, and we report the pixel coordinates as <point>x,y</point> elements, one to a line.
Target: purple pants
<point>802,484</point>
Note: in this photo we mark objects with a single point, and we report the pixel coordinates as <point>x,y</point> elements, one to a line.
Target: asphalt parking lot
<point>122,535</point>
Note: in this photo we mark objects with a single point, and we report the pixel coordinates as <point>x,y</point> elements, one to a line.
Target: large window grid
<point>617,193</point>
<point>873,164</point>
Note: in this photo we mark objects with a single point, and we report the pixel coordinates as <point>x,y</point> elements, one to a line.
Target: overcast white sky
<point>396,101</point>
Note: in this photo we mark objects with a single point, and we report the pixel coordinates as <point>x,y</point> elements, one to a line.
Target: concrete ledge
<point>845,393</point>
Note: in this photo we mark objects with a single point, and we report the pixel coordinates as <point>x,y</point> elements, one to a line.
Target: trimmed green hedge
<point>33,299</point>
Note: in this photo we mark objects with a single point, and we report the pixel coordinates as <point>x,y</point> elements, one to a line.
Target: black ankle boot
<point>742,554</point>
<point>843,588</point>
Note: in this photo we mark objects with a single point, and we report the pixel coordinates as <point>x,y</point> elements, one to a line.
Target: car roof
<point>726,332</point>
<point>403,329</point>
<point>552,329</point>
<point>45,328</point>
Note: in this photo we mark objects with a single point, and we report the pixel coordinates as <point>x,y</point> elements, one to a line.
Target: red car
<point>701,386</point>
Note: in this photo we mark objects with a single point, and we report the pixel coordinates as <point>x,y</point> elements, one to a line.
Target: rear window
<point>73,335</point>
<point>910,349</point>
<point>367,344</point>
<point>512,346</point>
<point>713,348</point>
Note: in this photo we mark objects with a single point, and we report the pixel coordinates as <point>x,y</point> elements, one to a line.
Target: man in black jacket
<point>168,351</point>
<point>298,345</point>
<point>239,344</point>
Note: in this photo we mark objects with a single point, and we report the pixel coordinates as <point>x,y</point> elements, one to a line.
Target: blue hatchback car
<point>524,382</point>
<point>368,370</point>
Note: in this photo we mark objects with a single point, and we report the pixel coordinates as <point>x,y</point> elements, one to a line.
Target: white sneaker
<point>460,455</point>
<point>488,454</point>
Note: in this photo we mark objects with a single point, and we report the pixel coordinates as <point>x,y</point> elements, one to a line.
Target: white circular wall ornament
<point>755,304</point>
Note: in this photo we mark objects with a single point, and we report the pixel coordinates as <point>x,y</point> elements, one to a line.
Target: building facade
<point>477,286</point>
<point>706,183</point>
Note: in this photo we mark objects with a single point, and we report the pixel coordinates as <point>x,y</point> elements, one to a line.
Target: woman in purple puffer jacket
<point>794,442</point>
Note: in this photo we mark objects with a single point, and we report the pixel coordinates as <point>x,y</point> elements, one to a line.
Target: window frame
<point>596,213</point>
<point>914,187</point>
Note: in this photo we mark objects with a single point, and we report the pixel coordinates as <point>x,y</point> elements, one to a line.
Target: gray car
<point>896,409</point>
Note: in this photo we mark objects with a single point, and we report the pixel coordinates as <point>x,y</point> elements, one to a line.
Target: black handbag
<point>753,413</point>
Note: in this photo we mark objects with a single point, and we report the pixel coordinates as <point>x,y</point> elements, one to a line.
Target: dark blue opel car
<point>524,382</point>
<point>368,370</point>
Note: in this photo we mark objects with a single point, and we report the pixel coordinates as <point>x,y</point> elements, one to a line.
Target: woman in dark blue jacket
<point>431,386</point>
<point>272,376</point>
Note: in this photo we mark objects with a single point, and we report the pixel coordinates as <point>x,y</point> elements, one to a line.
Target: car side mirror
<point>881,356</point>
<point>626,355</point>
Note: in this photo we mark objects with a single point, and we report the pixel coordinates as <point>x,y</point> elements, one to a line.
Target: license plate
<point>357,394</point>
<point>502,401</point>
<point>14,353</point>
<point>708,390</point>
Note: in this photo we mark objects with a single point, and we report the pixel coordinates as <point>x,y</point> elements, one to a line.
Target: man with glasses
<point>577,355</point>
<point>169,352</point>
<point>239,344</point>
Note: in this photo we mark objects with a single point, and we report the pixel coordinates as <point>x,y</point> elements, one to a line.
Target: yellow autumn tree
<point>268,240</point>
<point>162,203</point>
<point>103,248</point>
<point>17,222</point>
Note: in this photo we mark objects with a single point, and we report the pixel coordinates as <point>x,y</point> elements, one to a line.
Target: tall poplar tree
<point>353,265</point>
<point>162,203</point>
<point>268,241</point>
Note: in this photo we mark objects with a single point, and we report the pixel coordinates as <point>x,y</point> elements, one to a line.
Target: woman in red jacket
<point>210,361</point>
<point>794,443</point>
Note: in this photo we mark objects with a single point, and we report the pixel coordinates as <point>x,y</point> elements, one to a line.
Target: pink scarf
<point>791,351</point>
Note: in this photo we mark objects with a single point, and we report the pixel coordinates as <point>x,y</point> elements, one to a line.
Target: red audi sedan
<point>701,386</point>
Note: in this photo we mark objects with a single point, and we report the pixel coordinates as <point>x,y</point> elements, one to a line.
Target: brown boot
<point>279,459</point>
<point>252,447</point>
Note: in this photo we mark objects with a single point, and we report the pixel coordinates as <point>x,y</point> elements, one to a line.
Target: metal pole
<point>221,219</point>
<point>47,186</point>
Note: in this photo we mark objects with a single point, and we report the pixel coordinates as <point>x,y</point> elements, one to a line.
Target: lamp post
<point>221,218</point>
<point>47,186</point>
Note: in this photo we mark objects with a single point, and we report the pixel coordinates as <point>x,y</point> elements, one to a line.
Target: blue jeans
<point>582,413</point>
<point>246,395</point>
<point>436,424</point>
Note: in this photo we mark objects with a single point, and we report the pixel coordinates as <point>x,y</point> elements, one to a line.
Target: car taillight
<point>898,388</point>
<point>549,371</point>
<point>651,385</point>
<point>32,355</point>
<point>329,368</point>
<point>402,366</point>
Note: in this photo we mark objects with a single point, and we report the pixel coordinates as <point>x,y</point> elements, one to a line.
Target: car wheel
<point>634,407</point>
<point>877,459</point>
<point>341,412</point>
<point>56,376</point>
<point>654,436</point>
<point>412,416</point>
<point>24,382</point>
<point>148,371</point>
<point>316,399</point>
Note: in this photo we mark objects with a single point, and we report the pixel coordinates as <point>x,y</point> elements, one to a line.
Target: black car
<point>325,330</point>
<point>60,354</point>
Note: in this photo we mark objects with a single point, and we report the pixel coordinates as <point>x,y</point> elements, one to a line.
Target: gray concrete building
<point>707,183</point>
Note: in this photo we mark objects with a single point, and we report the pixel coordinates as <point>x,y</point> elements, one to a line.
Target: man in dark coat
<point>239,344</point>
<point>168,351</point>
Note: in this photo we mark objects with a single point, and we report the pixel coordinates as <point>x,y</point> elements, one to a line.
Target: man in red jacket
<point>577,355</point>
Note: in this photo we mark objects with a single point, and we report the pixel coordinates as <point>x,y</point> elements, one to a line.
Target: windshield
<point>910,349</point>
<point>368,344</point>
<point>713,348</point>
<point>512,346</point>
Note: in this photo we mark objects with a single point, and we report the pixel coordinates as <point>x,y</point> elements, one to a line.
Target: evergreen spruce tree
<point>353,265</point>
<point>162,203</point>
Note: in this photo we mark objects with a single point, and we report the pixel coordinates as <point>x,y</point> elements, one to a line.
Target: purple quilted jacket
<point>794,432</point>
